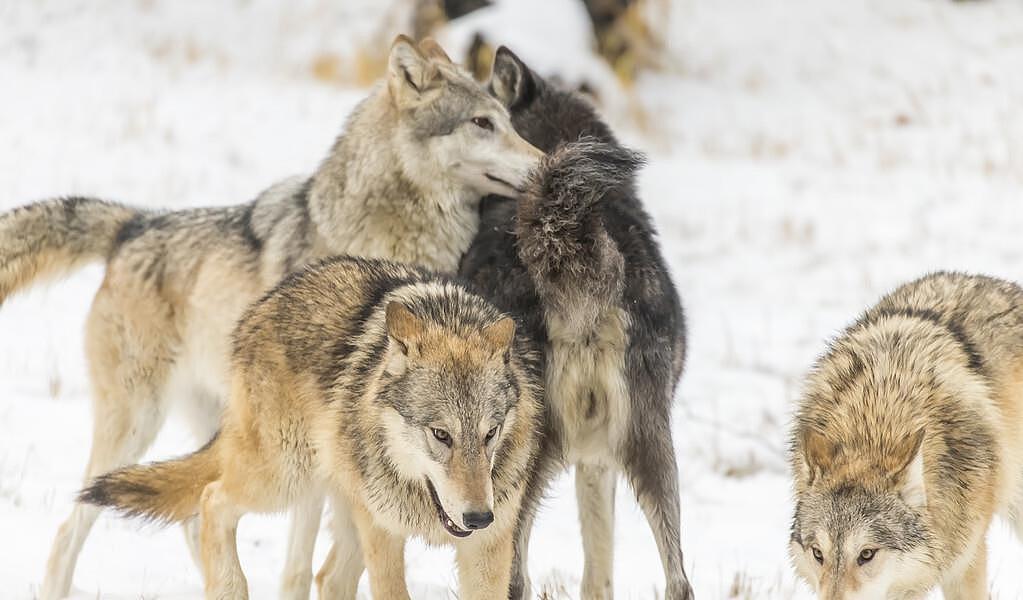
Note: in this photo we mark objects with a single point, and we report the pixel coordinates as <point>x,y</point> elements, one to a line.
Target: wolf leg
<point>519,588</point>
<point>484,570</point>
<point>648,457</point>
<point>222,571</point>
<point>972,582</point>
<point>339,576</point>
<point>203,410</point>
<point>128,411</point>
<point>595,495</point>
<point>305,524</point>
<point>384,554</point>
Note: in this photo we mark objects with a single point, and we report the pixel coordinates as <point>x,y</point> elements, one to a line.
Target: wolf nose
<point>477,520</point>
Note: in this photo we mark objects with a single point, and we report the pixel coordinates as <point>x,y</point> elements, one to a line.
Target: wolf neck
<point>366,201</point>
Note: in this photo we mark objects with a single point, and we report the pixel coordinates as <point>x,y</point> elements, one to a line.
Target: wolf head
<point>453,397</point>
<point>542,113</point>
<point>858,531</point>
<point>448,126</point>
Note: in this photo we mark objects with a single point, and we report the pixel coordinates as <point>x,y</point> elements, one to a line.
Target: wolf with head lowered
<point>577,259</point>
<point>402,182</point>
<point>908,440</point>
<point>402,395</point>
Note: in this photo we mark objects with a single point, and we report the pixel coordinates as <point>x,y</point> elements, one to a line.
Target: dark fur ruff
<point>581,242</point>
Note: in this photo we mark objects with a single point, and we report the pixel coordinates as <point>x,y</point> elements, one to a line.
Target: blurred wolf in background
<point>403,182</point>
<point>577,260</point>
<point>406,397</point>
<point>908,440</point>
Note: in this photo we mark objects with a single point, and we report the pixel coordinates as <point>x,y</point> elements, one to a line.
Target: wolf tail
<point>167,491</point>
<point>562,237</point>
<point>53,237</point>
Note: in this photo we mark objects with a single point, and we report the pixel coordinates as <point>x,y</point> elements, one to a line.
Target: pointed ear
<point>500,334</point>
<point>409,72</point>
<point>818,455</point>
<point>431,49</point>
<point>905,466</point>
<point>511,81</point>
<point>403,326</point>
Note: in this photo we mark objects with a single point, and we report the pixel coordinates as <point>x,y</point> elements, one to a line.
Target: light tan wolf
<point>908,440</point>
<point>402,182</point>
<point>407,397</point>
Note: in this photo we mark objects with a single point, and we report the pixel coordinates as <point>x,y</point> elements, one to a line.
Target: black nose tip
<point>477,520</point>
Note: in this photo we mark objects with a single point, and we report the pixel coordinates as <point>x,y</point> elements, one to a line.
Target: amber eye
<point>817,554</point>
<point>866,556</point>
<point>483,123</point>
<point>442,436</point>
<point>490,435</point>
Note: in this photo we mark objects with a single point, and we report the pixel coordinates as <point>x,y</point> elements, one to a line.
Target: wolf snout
<point>477,520</point>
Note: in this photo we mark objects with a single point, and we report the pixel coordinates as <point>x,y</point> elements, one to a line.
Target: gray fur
<point>576,259</point>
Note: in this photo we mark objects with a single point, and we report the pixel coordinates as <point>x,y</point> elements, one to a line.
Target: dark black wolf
<point>577,261</point>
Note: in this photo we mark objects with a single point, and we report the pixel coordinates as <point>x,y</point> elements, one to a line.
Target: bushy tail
<point>167,491</point>
<point>562,238</point>
<point>53,237</point>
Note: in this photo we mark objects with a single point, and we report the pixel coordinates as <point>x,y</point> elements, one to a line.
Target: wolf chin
<point>402,182</point>
<point>907,441</point>
<point>576,258</point>
<point>403,396</point>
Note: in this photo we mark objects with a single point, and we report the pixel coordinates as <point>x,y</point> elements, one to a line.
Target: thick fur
<point>577,259</point>
<point>51,238</point>
<point>340,376</point>
<point>166,492</point>
<point>403,182</point>
<point>908,439</point>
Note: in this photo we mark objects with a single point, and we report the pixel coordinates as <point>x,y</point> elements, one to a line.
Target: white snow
<point>806,156</point>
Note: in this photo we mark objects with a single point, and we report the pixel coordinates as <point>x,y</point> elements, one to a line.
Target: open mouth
<point>503,182</point>
<point>445,520</point>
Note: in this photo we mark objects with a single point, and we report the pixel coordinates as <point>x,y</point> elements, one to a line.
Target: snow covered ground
<point>807,156</point>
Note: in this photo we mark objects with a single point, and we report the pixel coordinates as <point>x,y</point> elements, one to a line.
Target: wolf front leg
<point>384,554</point>
<point>297,577</point>
<point>648,459</point>
<point>971,583</point>
<point>219,551</point>
<point>338,578</point>
<point>595,495</point>
<point>484,569</point>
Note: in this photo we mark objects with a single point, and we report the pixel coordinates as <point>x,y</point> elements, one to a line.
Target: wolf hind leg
<point>129,409</point>
<point>971,583</point>
<point>595,496</point>
<point>222,571</point>
<point>297,577</point>
<point>520,586</point>
<point>648,457</point>
<point>339,576</point>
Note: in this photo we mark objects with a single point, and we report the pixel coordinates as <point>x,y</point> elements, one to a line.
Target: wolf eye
<point>442,436</point>
<point>817,554</point>
<point>490,435</point>
<point>865,556</point>
<point>483,123</point>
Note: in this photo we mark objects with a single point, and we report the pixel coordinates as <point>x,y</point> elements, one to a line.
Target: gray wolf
<point>908,439</point>
<point>404,395</point>
<point>402,182</point>
<point>576,258</point>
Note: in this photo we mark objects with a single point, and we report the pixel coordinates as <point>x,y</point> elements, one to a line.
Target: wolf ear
<point>818,455</point>
<point>511,81</point>
<point>905,465</point>
<point>431,49</point>
<point>409,72</point>
<point>500,334</point>
<point>407,330</point>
